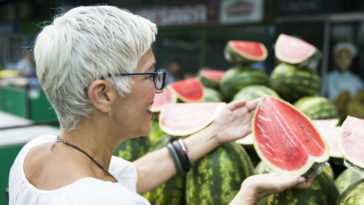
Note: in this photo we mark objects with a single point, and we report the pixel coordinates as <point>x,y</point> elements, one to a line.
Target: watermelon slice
<point>211,78</point>
<point>289,49</point>
<point>286,140</point>
<point>331,133</point>
<point>188,90</point>
<point>161,99</point>
<point>245,52</point>
<point>182,119</point>
<point>351,141</point>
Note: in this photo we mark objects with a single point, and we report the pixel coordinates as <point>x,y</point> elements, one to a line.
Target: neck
<point>93,140</point>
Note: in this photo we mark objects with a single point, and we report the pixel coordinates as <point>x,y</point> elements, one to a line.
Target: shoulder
<point>94,191</point>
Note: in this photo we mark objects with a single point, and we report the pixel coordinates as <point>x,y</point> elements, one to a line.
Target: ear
<point>101,95</point>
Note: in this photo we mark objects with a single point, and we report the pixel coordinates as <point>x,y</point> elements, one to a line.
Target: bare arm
<point>233,122</point>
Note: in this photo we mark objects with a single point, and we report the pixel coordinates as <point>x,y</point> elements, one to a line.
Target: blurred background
<point>192,34</point>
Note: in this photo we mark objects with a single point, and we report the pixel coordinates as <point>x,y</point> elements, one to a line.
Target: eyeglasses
<point>159,77</point>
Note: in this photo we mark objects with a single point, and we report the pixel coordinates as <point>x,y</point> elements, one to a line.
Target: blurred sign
<point>195,14</point>
<point>241,11</point>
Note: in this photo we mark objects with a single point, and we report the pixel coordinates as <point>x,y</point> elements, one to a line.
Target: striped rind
<point>321,192</point>
<point>240,77</point>
<point>253,92</point>
<point>217,177</point>
<point>311,162</point>
<point>317,107</point>
<point>347,178</point>
<point>292,83</point>
<point>173,190</point>
<point>132,149</point>
<point>353,195</point>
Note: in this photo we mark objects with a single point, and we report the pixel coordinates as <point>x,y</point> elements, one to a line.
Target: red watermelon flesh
<point>162,99</point>
<point>249,49</point>
<point>188,90</point>
<point>214,75</point>
<point>351,141</point>
<point>285,139</point>
<point>293,50</point>
<point>182,119</point>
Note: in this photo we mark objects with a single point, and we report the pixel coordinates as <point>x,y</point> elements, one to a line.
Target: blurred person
<point>342,79</point>
<point>26,65</point>
<point>173,71</point>
<point>96,67</point>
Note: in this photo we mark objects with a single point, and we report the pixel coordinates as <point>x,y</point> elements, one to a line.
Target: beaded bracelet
<point>176,160</point>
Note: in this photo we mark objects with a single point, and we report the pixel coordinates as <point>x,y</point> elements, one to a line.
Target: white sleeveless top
<point>83,191</point>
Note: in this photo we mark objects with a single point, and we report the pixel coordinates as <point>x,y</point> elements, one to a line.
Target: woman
<point>92,64</point>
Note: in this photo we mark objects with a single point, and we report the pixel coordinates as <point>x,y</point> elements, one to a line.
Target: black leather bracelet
<point>185,150</point>
<point>176,160</point>
<point>182,156</point>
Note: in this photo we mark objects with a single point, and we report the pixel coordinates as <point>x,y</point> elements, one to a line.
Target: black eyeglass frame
<point>163,70</point>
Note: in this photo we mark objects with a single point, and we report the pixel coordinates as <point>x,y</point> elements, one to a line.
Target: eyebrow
<point>151,67</point>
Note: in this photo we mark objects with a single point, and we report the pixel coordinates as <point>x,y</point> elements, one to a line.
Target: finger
<point>253,104</point>
<point>307,182</point>
<point>236,104</point>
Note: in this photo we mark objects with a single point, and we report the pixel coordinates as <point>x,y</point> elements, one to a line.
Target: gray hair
<point>83,45</point>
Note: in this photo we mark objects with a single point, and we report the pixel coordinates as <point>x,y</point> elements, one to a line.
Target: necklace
<point>60,139</point>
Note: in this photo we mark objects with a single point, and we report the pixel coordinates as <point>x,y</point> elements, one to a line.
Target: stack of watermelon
<point>242,75</point>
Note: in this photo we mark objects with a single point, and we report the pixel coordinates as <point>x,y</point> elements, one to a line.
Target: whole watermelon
<point>216,178</point>
<point>353,195</point>
<point>155,131</point>
<point>173,190</point>
<point>253,92</point>
<point>132,149</point>
<point>316,107</point>
<point>211,95</point>
<point>292,82</point>
<point>237,78</point>
<point>322,191</point>
<point>347,178</point>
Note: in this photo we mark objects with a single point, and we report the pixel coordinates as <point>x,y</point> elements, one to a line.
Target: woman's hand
<point>234,120</point>
<point>257,186</point>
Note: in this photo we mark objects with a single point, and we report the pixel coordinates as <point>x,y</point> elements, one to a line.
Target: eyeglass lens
<point>158,79</point>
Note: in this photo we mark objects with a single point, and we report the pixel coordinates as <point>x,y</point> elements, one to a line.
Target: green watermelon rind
<point>313,163</point>
<point>190,132</point>
<point>316,107</point>
<point>211,95</point>
<point>301,62</point>
<point>292,83</point>
<point>346,178</point>
<point>348,197</point>
<point>253,92</point>
<point>217,177</point>
<point>353,162</point>
<point>208,82</point>
<point>237,78</point>
<point>235,57</point>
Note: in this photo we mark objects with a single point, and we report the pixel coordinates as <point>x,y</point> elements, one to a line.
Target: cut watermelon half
<point>161,99</point>
<point>286,140</point>
<point>289,49</point>
<point>188,90</point>
<point>182,119</point>
<point>331,133</point>
<point>211,78</point>
<point>245,52</point>
<point>351,141</point>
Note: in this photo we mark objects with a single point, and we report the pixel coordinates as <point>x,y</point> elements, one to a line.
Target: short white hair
<point>82,45</point>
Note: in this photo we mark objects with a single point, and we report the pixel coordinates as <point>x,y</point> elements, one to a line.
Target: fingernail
<point>301,180</point>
